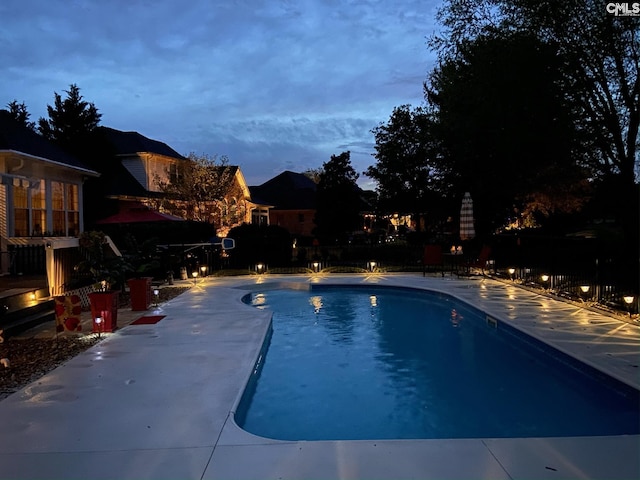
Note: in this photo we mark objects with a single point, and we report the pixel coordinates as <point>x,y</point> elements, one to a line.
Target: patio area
<point>157,401</point>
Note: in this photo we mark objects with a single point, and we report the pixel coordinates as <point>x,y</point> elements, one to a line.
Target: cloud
<point>273,84</point>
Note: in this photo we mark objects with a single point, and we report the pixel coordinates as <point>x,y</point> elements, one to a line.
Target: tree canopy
<point>193,187</point>
<point>600,68</point>
<point>504,129</point>
<point>21,114</point>
<point>71,122</point>
<point>337,199</point>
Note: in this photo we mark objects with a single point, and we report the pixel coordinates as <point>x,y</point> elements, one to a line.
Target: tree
<point>196,188</point>
<point>337,199</point>
<point>600,68</point>
<point>405,174</point>
<point>313,173</point>
<point>20,114</point>
<point>506,133</point>
<point>71,122</point>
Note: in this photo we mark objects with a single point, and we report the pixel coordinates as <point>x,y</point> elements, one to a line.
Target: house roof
<point>287,191</point>
<point>126,143</point>
<point>18,138</point>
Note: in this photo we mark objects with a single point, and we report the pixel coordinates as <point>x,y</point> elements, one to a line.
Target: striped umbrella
<point>467,232</point>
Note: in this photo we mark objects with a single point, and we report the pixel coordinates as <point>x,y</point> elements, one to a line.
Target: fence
<point>27,259</point>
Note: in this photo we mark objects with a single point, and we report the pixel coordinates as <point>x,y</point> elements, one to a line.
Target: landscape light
<point>98,321</point>
<point>628,299</point>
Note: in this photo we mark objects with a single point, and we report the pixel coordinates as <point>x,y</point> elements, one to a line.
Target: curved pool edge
<point>235,434</point>
<point>239,454</point>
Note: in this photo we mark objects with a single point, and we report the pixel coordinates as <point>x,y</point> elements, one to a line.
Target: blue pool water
<point>379,363</point>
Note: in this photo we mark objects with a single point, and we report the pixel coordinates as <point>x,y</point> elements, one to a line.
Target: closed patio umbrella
<point>467,231</point>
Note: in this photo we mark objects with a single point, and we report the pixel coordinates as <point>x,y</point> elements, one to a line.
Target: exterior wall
<point>136,167</point>
<point>297,222</point>
<point>22,173</point>
<point>157,170</point>
<point>149,168</point>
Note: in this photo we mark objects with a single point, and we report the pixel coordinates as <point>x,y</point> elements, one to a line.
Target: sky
<point>272,84</point>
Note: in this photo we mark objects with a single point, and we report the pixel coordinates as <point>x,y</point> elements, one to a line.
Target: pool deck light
<point>628,299</point>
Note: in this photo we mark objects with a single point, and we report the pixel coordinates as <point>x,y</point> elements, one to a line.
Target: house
<point>293,196</point>
<point>41,202</point>
<point>139,165</point>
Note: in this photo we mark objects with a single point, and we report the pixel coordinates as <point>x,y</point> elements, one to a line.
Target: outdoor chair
<point>479,262</point>
<point>432,257</point>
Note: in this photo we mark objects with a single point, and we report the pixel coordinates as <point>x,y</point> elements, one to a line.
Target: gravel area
<point>24,360</point>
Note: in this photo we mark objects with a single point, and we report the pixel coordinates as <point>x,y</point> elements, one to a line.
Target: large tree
<point>195,188</point>
<point>338,200</point>
<point>71,122</point>
<point>405,159</point>
<point>600,52</point>
<point>505,131</point>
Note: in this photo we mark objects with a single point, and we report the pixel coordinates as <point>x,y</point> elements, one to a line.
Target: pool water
<point>384,363</point>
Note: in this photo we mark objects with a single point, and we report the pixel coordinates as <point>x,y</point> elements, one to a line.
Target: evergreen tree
<point>71,122</point>
<point>20,114</point>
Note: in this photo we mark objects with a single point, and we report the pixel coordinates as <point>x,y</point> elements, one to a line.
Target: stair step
<point>16,317</point>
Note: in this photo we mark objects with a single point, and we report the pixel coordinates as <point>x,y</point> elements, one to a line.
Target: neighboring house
<point>293,196</point>
<point>41,204</point>
<point>141,164</point>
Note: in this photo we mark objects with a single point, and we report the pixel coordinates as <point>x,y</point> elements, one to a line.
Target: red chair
<point>432,257</point>
<point>480,262</point>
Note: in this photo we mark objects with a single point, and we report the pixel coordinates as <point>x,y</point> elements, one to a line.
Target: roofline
<point>48,160</point>
<point>146,152</point>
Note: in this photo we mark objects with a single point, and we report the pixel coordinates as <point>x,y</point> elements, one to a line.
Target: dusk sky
<point>275,85</point>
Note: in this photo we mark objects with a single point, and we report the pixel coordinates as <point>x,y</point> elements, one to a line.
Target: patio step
<point>24,308</point>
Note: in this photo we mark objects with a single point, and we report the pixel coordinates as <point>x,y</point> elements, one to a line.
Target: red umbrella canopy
<point>139,214</point>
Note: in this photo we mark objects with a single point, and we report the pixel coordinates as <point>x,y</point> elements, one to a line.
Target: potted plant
<point>143,260</point>
<point>107,270</point>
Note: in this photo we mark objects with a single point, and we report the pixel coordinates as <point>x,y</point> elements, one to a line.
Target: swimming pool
<point>380,363</point>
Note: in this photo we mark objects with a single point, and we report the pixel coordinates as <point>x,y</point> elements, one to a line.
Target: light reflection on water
<point>374,364</point>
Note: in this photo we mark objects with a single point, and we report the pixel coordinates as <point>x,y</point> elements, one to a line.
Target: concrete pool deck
<point>157,401</point>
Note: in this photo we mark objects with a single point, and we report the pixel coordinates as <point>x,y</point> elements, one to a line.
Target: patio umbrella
<point>467,232</point>
<point>139,214</point>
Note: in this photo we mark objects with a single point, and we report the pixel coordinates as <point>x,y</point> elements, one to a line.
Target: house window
<point>57,204</point>
<point>20,207</point>
<point>73,210</point>
<point>65,209</point>
<point>301,217</point>
<point>233,211</point>
<point>260,216</point>
<point>29,208</point>
<point>173,174</point>
<point>38,209</point>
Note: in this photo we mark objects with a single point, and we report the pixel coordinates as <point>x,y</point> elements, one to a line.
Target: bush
<point>268,244</point>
